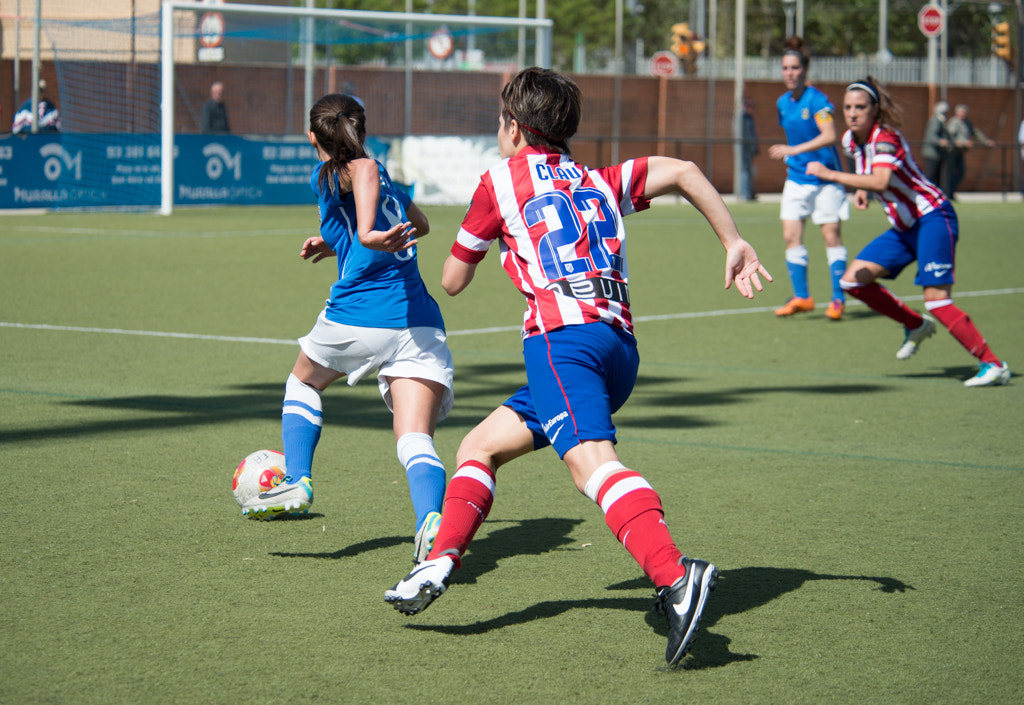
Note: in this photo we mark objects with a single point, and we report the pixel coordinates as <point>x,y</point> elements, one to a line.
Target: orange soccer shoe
<point>796,305</point>
<point>835,310</point>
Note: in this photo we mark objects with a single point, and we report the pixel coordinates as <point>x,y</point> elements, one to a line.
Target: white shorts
<point>414,353</point>
<point>824,203</point>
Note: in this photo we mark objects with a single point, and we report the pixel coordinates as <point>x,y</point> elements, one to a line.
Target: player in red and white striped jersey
<point>924,228</point>
<point>560,230</point>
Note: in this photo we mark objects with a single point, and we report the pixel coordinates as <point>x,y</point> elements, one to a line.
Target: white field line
<point>472,331</point>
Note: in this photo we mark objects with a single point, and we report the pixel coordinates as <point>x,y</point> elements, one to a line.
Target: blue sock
<point>796,263</point>
<point>301,421</point>
<point>837,266</point>
<point>425,473</point>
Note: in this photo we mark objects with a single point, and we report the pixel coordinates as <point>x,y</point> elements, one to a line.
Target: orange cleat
<point>796,305</point>
<point>835,310</point>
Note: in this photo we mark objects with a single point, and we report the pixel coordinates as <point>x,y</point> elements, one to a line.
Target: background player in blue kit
<point>379,317</point>
<point>560,230</point>
<point>807,117</point>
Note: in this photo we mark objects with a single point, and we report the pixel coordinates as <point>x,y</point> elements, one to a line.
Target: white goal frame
<point>542,26</point>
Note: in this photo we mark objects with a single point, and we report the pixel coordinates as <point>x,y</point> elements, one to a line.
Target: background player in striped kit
<point>924,228</point>
<point>379,317</point>
<point>806,115</point>
<point>562,242</point>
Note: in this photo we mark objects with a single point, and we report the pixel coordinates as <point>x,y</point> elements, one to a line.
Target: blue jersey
<point>799,118</point>
<point>374,289</point>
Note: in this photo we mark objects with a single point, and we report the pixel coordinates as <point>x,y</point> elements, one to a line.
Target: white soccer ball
<point>259,472</point>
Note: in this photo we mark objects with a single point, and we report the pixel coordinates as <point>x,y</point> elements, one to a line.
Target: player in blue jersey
<point>807,117</point>
<point>379,317</point>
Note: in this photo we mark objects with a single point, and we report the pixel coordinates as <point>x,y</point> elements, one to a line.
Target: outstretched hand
<point>400,237</point>
<point>316,248</point>
<point>743,267</point>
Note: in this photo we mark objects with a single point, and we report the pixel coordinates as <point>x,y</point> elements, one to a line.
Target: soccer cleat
<point>287,498</point>
<point>423,585</point>
<point>989,375</point>
<point>796,305</point>
<point>682,603</point>
<point>425,537</point>
<point>914,337</point>
<point>835,309</point>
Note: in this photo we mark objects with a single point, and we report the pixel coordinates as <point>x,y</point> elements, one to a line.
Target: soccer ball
<point>259,472</point>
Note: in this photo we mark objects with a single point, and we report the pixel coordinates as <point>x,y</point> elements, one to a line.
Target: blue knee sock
<point>301,421</point>
<point>796,263</point>
<point>425,473</point>
<point>837,266</point>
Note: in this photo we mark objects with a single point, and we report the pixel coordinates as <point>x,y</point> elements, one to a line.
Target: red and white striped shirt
<point>909,194</point>
<point>562,239</point>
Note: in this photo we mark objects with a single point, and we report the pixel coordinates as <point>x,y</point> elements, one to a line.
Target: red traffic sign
<point>211,29</point>
<point>931,20</point>
<point>441,43</point>
<point>664,63</point>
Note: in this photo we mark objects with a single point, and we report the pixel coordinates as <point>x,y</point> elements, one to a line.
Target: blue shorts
<point>577,377</point>
<point>931,241</point>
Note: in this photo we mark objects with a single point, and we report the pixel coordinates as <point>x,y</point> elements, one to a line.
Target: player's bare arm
<point>456,275</point>
<point>418,219</point>
<point>876,181</point>
<point>316,248</point>
<point>365,179</point>
<point>826,139</point>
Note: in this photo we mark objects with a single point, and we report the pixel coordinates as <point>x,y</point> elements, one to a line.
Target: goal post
<point>361,33</point>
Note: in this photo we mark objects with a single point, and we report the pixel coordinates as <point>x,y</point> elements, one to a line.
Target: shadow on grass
<point>958,372</point>
<point>480,388</point>
<point>526,537</point>
<point>738,591</point>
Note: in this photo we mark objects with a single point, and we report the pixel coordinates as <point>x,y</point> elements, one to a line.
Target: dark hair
<point>889,113</point>
<point>794,46</point>
<point>547,105</point>
<point>339,123</point>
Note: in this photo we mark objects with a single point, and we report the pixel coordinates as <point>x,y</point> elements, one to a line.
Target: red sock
<point>883,301</point>
<point>963,329</point>
<point>467,502</point>
<point>632,510</point>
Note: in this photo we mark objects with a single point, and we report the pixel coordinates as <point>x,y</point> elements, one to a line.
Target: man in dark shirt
<point>215,114</point>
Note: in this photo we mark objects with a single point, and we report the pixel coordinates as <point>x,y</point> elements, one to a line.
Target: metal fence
<point>987,71</point>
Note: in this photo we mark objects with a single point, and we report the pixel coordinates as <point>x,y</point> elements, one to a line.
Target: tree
<point>843,28</point>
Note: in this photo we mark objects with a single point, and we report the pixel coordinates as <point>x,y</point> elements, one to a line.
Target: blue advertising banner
<point>64,170</point>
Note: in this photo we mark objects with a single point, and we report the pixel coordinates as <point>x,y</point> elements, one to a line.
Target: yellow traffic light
<point>686,46</point>
<point>1001,41</point>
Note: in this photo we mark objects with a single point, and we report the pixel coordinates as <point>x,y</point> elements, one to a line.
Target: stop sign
<point>931,20</point>
<point>664,63</point>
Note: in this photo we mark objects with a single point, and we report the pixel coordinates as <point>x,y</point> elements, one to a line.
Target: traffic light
<point>1001,41</point>
<point>687,46</point>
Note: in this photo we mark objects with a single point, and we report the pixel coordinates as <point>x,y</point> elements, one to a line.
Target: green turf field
<point>866,514</point>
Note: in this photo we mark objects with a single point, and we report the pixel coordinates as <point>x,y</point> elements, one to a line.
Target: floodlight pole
<point>737,97</point>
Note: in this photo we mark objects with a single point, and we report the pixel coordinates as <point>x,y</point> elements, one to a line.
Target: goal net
<point>132,90</point>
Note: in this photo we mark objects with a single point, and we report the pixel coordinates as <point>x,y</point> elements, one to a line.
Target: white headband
<point>863,87</point>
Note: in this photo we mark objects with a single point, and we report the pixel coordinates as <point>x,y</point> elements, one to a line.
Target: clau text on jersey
<point>546,172</point>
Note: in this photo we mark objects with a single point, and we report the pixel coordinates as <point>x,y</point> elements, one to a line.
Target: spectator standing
<point>1020,141</point>
<point>750,150</point>
<point>215,113</point>
<point>49,115</point>
<point>936,144</point>
<point>962,135</point>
